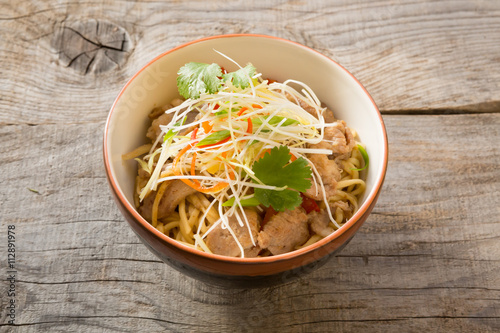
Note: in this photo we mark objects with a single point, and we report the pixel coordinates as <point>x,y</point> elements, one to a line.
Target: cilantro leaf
<point>273,169</point>
<point>279,200</point>
<point>196,78</point>
<point>240,77</point>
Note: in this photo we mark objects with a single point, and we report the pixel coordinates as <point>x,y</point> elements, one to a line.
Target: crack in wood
<point>84,281</point>
<point>129,259</point>
<point>91,46</point>
<point>389,319</point>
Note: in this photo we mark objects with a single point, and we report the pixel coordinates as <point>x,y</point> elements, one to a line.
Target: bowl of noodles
<point>244,159</point>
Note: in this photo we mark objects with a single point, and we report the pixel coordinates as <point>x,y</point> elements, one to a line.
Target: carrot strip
<point>264,152</point>
<point>206,126</point>
<point>213,189</point>
<point>250,126</point>
<point>193,135</point>
<point>191,183</point>
<point>182,152</point>
<point>243,109</point>
<point>232,175</point>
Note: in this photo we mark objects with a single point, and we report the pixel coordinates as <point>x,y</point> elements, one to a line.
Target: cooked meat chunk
<point>338,139</point>
<point>342,205</point>
<point>143,174</point>
<point>156,112</point>
<point>327,113</point>
<point>319,222</point>
<point>159,117</point>
<point>314,192</point>
<point>330,175</point>
<point>220,241</point>
<point>310,109</point>
<point>175,192</point>
<point>285,231</point>
<point>154,130</point>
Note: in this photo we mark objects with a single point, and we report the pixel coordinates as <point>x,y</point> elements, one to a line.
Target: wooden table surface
<point>427,259</point>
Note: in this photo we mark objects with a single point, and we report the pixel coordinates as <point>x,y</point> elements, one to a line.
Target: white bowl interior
<point>277,59</point>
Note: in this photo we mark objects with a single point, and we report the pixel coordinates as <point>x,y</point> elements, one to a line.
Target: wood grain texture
<point>427,259</point>
<point>401,51</point>
<point>428,256</point>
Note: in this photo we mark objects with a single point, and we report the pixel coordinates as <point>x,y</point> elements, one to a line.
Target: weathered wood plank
<point>426,258</point>
<point>412,56</point>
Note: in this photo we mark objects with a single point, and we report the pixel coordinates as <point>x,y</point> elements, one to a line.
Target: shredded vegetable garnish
<point>235,127</point>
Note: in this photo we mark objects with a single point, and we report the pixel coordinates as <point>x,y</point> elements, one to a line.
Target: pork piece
<point>319,222</point>
<point>338,139</point>
<point>154,130</point>
<point>327,113</point>
<point>330,175</point>
<point>220,241</point>
<point>311,110</point>
<point>342,205</point>
<point>156,112</point>
<point>285,231</point>
<point>175,192</point>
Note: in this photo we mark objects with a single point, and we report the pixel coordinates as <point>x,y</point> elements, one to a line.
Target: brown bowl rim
<point>238,260</point>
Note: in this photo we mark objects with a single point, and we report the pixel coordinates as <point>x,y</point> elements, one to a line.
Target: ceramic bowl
<point>279,59</point>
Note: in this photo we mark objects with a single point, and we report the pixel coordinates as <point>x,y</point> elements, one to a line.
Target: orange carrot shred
<point>193,135</point>
<point>250,126</point>
<point>206,126</point>
<point>243,109</point>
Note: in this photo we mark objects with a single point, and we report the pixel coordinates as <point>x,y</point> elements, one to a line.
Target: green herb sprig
<point>274,169</point>
<point>196,78</point>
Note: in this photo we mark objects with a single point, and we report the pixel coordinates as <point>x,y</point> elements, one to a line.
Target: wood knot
<point>92,46</point>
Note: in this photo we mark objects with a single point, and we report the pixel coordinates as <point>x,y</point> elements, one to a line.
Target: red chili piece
<point>309,204</point>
